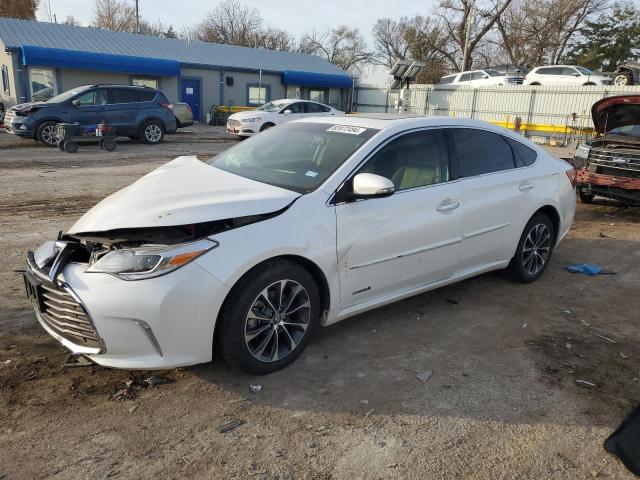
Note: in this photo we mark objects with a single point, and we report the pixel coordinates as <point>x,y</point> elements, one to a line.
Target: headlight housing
<point>582,151</point>
<point>150,261</point>
<point>251,120</point>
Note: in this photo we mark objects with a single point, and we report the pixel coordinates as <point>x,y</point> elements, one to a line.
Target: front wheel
<point>622,80</point>
<point>269,317</point>
<point>46,134</point>
<point>534,250</point>
<point>152,132</point>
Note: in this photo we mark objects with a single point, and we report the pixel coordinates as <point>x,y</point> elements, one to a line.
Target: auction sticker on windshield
<point>347,129</point>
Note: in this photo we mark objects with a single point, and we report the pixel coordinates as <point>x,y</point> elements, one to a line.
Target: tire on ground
<point>516,269</point>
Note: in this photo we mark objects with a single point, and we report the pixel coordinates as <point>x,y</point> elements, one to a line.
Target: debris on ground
<point>225,427</point>
<point>31,375</point>
<point>586,383</point>
<point>452,301</point>
<point>154,380</point>
<point>126,393</point>
<point>568,345</point>
<point>611,340</point>
<point>133,408</point>
<point>623,356</point>
<point>424,376</point>
<point>370,412</point>
<point>255,387</point>
<point>589,269</point>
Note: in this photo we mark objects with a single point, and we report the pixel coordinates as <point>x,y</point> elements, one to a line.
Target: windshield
<point>493,73</point>
<point>63,97</point>
<point>584,71</point>
<point>627,131</point>
<point>272,106</point>
<point>295,156</point>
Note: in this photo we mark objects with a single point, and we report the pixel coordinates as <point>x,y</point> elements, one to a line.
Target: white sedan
<point>308,224</point>
<point>250,122</point>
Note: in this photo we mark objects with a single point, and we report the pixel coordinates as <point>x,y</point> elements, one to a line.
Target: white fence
<point>544,109</point>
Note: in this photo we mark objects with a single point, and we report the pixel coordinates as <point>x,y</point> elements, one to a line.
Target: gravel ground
<point>502,402</point>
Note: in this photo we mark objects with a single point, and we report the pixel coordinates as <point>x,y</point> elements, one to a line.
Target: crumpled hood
<point>615,112</point>
<point>22,107</point>
<point>181,192</point>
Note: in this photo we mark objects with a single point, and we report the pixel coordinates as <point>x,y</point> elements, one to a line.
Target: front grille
<point>67,317</point>
<point>233,123</point>
<point>616,161</point>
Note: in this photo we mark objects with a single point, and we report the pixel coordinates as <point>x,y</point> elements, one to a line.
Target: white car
<point>481,78</point>
<point>564,75</point>
<point>304,225</point>
<point>250,122</point>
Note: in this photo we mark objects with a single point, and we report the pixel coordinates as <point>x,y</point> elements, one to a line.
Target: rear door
<point>496,195</point>
<point>410,238</point>
<point>317,110</point>
<point>123,109</point>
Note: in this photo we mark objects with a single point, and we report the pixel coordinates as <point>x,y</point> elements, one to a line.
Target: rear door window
<point>123,95</point>
<point>316,108</point>
<point>465,77</point>
<point>147,95</point>
<point>478,152</point>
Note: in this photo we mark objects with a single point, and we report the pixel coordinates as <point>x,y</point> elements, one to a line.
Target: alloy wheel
<point>536,249</point>
<point>621,80</point>
<point>49,134</point>
<point>153,133</point>
<point>277,321</point>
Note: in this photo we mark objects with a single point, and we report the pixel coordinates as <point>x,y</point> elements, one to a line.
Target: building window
<point>258,94</point>
<point>43,84</point>
<point>145,82</point>
<point>318,95</point>
<point>5,79</point>
<point>293,92</point>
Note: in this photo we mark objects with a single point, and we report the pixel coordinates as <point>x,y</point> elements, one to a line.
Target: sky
<point>294,16</point>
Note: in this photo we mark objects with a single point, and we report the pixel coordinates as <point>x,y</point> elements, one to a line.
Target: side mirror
<point>485,77</point>
<point>369,185</point>
<point>576,74</point>
<point>75,103</point>
<point>288,112</point>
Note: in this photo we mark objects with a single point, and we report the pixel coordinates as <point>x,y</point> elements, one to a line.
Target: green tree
<point>25,9</point>
<point>607,41</point>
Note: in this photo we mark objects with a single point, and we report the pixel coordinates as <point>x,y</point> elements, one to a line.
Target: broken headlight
<point>150,261</point>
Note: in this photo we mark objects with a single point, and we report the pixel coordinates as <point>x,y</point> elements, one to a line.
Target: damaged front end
<point>609,165</point>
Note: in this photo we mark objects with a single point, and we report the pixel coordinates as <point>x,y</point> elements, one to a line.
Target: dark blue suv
<point>136,112</point>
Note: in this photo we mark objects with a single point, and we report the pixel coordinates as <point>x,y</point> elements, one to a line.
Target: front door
<point>86,108</point>
<point>406,240</point>
<point>190,94</point>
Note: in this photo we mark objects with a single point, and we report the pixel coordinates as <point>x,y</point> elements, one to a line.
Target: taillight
<point>167,105</point>
<point>573,176</point>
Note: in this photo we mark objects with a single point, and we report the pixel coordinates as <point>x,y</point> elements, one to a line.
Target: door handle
<point>525,187</point>
<point>447,207</point>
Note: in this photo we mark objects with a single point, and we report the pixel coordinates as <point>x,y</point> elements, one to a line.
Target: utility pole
<point>467,35</point>
<point>137,18</point>
<point>49,8</point>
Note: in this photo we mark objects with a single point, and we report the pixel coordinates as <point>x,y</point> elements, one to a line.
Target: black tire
<point>267,126</point>
<point>46,133</point>
<point>231,342</point>
<point>152,132</point>
<point>70,146</point>
<point>623,79</point>
<point>61,145</point>
<point>519,268</point>
<point>585,197</point>
<point>535,84</point>
<point>108,144</point>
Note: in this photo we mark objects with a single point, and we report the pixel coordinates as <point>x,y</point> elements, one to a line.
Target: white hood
<point>247,114</point>
<point>181,192</point>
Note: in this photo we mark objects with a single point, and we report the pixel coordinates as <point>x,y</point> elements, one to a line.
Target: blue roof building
<point>39,60</point>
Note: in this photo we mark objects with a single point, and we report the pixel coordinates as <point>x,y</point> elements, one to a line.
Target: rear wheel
<point>534,250</point>
<point>269,317</point>
<point>152,132</point>
<point>46,133</point>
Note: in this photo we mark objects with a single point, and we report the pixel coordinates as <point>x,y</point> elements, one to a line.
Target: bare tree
<point>114,15</point>
<point>24,9</point>
<point>343,46</point>
<point>390,41</point>
<point>538,31</point>
<point>72,21</point>
<point>456,16</point>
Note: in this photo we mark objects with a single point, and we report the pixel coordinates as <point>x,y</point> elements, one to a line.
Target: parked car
<point>565,75</point>
<point>2,109</point>
<point>303,225</point>
<point>137,112</point>
<point>250,122</point>
<point>481,78</point>
<point>609,165</point>
<point>627,73</point>
<point>183,114</point>
<point>509,69</point>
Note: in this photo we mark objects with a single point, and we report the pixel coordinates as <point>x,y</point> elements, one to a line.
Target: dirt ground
<point>502,403</point>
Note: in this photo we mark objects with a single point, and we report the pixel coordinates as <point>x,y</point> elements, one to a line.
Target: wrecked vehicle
<point>303,225</point>
<point>609,165</point>
<point>627,73</point>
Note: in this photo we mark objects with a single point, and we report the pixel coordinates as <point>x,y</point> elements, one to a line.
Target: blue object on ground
<point>586,268</point>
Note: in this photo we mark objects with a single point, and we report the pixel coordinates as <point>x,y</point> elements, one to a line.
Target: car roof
<point>118,85</point>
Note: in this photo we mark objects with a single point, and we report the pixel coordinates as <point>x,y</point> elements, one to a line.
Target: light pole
<point>137,18</point>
